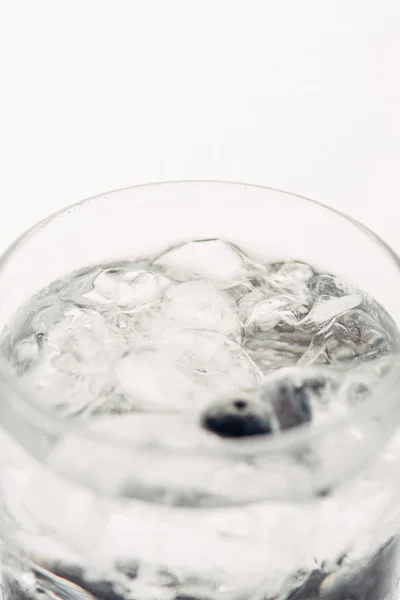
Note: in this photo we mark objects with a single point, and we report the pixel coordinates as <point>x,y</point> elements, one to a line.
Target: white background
<point>301,95</point>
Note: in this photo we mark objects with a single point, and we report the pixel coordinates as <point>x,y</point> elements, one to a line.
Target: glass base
<point>375,578</point>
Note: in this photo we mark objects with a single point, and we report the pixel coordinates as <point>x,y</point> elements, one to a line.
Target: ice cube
<point>269,313</point>
<point>214,361</point>
<point>145,287</point>
<point>111,285</point>
<point>327,308</point>
<point>74,374</point>
<point>290,277</point>
<point>73,393</point>
<point>154,382</point>
<point>86,338</point>
<point>291,273</point>
<point>352,335</point>
<point>315,353</point>
<point>356,335</point>
<point>277,349</point>
<point>286,280</point>
<point>128,288</point>
<point>68,394</point>
<point>236,291</point>
<point>247,303</point>
<point>208,259</point>
<point>197,304</point>
<point>329,285</point>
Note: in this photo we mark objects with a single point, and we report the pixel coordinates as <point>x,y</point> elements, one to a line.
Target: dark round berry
<point>237,418</point>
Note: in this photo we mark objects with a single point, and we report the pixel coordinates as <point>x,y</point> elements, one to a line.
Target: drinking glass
<point>89,513</point>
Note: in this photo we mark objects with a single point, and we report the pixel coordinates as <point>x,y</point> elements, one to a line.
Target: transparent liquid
<point>143,350</point>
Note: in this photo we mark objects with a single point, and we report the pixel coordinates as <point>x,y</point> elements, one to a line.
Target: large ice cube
<point>277,349</point>
<point>154,382</point>
<point>247,302</point>
<point>209,259</point>
<point>86,338</point>
<point>73,394</point>
<point>352,335</point>
<point>286,281</point>
<point>74,374</point>
<point>315,353</point>
<point>269,313</point>
<point>197,304</point>
<point>236,291</point>
<point>327,308</point>
<point>130,288</point>
<point>121,287</point>
<point>183,365</point>
<point>356,335</point>
<point>290,277</point>
<point>215,361</point>
<point>329,285</point>
<point>291,273</point>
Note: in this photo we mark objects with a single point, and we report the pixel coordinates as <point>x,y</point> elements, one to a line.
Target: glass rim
<point>56,425</point>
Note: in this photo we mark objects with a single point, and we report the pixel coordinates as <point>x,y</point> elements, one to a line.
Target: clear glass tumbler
<point>298,516</point>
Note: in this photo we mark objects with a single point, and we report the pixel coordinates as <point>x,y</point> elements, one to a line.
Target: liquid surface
<point>200,323</point>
